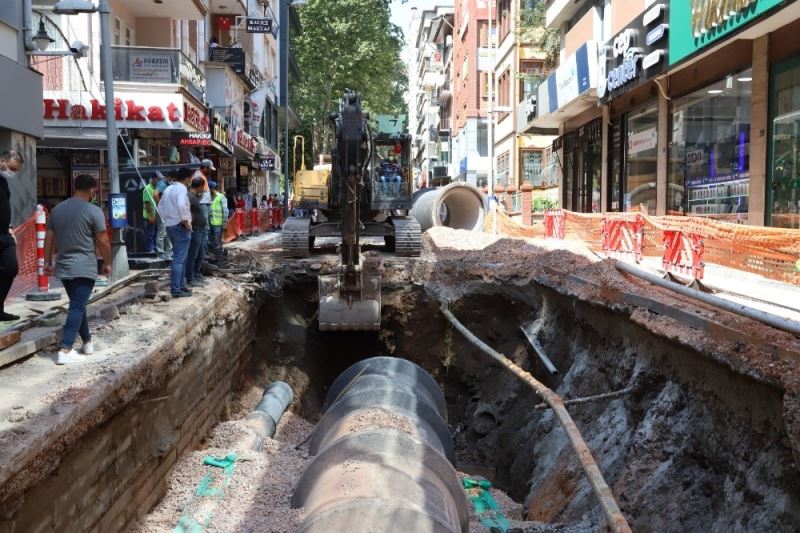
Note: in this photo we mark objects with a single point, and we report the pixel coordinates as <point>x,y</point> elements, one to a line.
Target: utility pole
<point>119,253</point>
<point>490,114</point>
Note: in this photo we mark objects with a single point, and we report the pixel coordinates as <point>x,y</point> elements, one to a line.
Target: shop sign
<point>695,24</point>
<point>575,76</point>
<point>634,55</point>
<point>131,110</point>
<point>268,163</point>
<point>245,141</point>
<point>233,57</point>
<point>221,132</point>
<point>642,141</point>
<point>151,66</point>
<point>192,139</point>
<point>195,118</point>
<point>259,25</point>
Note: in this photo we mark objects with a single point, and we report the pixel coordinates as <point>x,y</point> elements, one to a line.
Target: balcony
<point>170,66</point>
<point>174,9</point>
<point>561,11</point>
<point>239,61</point>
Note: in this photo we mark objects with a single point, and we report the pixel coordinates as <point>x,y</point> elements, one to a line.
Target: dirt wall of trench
<point>118,467</point>
<point>695,446</point>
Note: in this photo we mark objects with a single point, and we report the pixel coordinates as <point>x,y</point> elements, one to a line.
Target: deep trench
<point>694,447</point>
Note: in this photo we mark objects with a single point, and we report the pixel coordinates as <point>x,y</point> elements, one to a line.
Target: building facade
<point>684,109</point>
<point>190,83</point>
<point>430,103</point>
<point>20,127</point>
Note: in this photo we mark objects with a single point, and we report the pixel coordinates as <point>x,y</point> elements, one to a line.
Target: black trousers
<point>9,267</point>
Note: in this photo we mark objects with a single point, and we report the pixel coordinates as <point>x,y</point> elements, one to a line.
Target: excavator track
<point>407,236</point>
<point>295,237</point>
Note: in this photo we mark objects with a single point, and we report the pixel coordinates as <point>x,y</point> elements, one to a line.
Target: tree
<point>347,45</point>
<point>534,29</point>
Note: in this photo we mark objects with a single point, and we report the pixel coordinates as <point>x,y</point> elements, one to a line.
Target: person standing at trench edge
<point>10,164</point>
<point>77,229</point>
<point>174,211</point>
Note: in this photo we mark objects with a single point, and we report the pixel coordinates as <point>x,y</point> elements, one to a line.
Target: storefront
<point>567,101</point>
<point>581,167</point>
<point>625,64</point>
<point>784,168</point>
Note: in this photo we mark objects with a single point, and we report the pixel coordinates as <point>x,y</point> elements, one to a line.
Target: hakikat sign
<point>695,24</point>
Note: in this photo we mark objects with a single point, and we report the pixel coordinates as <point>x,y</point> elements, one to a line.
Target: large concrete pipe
<point>457,206</point>
<point>274,402</point>
<point>382,456</point>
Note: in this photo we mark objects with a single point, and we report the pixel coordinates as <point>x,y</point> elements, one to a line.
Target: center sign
<point>634,55</point>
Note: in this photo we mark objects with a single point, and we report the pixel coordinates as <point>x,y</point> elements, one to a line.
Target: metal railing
<point>142,64</point>
<point>547,177</point>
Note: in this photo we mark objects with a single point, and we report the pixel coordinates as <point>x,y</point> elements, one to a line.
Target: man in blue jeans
<point>174,211</point>
<point>77,229</point>
<point>199,224</point>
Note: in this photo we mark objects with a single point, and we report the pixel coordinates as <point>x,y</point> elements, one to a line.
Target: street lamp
<point>119,254</point>
<point>42,40</point>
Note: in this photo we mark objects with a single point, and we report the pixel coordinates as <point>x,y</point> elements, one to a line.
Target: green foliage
<point>347,44</point>
<point>543,204</point>
<point>533,29</point>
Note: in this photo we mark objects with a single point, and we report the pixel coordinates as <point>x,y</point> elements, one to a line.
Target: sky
<point>401,13</point>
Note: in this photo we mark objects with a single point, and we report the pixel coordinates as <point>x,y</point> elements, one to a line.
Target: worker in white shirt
<point>174,211</point>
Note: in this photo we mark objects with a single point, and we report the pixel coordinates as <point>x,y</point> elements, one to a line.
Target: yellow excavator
<point>368,192</point>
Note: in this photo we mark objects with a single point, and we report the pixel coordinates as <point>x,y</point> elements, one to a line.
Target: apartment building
<point>20,127</point>
<point>190,83</point>
<point>678,108</point>
<point>430,102</point>
<point>522,154</point>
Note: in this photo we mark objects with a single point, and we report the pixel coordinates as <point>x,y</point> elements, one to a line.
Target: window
<point>483,140</point>
<point>709,151</point>
<point>128,37</point>
<point>503,19</point>
<point>503,167</point>
<point>531,75</point>
<point>117,31</point>
<point>483,88</point>
<point>483,33</point>
<point>641,135</point>
<point>531,166</point>
<point>504,93</point>
<point>783,206</point>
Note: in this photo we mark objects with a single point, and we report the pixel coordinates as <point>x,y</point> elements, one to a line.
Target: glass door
<point>783,205</point>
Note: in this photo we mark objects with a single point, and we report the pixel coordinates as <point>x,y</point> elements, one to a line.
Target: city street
<point>399,266</point>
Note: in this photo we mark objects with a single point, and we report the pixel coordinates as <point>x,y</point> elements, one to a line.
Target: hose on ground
<point>611,510</point>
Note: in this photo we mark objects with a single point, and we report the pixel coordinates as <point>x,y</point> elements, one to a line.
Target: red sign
<point>195,118</point>
<point>246,141</point>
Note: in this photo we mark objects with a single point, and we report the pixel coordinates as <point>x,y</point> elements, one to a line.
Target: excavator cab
<point>391,172</point>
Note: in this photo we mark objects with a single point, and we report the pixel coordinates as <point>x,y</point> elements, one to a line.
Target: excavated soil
<point>705,437</point>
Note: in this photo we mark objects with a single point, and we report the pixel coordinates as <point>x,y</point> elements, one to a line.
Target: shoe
<point>8,317</point>
<point>88,348</point>
<point>181,294</point>
<point>186,291</point>
<point>194,283</point>
<point>69,358</point>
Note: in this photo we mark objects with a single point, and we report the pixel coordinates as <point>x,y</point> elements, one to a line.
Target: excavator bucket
<point>357,313</point>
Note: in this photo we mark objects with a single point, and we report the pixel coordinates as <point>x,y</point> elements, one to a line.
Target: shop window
<point>616,157</point>
<point>582,163</point>
<point>783,207</point>
<point>641,135</point>
<point>709,151</point>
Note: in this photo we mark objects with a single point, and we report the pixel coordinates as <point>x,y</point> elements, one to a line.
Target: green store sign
<point>695,24</point>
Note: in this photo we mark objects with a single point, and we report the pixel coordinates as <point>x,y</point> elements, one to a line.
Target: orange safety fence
<point>26,279</point>
<point>771,252</point>
<point>252,221</point>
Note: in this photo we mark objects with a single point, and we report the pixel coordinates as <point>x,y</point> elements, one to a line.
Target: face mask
<point>8,174</point>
